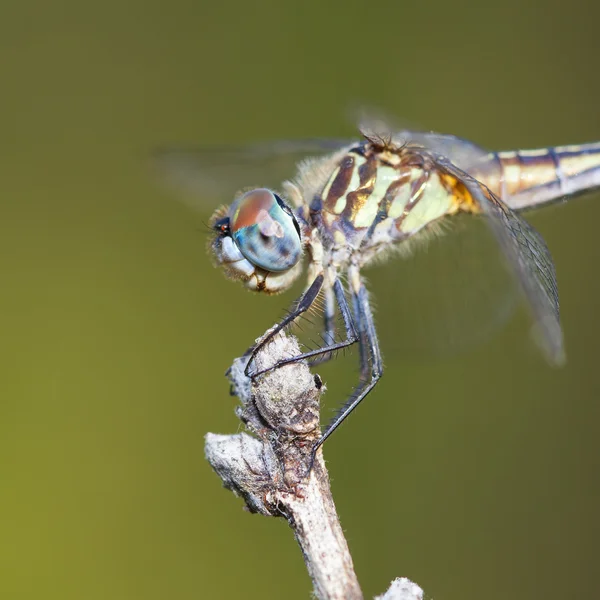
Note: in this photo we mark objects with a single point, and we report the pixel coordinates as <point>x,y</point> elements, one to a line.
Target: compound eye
<point>265,230</point>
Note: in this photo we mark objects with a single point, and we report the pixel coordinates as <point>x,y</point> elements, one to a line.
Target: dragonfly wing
<point>464,154</point>
<point>528,257</point>
<point>207,176</point>
<point>450,291</point>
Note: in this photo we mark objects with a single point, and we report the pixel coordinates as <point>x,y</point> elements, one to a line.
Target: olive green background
<point>477,476</point>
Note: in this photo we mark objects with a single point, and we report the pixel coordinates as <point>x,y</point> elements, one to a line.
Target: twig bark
<point>269,469</point>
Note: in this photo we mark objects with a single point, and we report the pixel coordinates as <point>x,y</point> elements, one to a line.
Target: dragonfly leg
<point>329,327</point>
<point>370,356</point>
<point>302,306</point>
<point>363,346</point>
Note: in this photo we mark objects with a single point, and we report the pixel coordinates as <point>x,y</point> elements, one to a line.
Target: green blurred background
<point>477,476</point>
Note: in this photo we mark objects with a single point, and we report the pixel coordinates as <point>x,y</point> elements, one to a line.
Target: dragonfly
<point>350,202</point>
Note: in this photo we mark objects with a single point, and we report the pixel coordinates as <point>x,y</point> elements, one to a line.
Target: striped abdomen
<point>529,178</point>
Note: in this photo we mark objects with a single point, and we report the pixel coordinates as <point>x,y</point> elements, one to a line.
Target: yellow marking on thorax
<point>461,199</point>
<point>339,238</point>
<point>340,205</point>
<point>403,195</point>
<point>367,213</point>
<point>435,203</point>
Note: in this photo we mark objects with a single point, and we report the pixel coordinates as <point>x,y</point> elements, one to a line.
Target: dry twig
<point>268,470</point>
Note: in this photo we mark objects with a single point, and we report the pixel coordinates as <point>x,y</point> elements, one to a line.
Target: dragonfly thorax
<point>376,197</point>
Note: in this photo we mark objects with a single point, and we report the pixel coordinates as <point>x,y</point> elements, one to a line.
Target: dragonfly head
<point>258,241</point>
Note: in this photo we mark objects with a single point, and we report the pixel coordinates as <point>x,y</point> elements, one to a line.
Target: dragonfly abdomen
<point>530,178</point>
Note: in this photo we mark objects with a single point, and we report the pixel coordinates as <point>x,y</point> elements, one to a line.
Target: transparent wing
<point>528,258</point>
<point>451,293</point>
<point>207,176</point>
<point>464,154</point>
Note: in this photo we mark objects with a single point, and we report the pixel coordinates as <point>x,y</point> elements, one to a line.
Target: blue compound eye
<point>265,230</point>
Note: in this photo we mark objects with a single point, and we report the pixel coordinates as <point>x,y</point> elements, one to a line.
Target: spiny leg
<point>370,355</point>
<point>363,346</point>
<point>302,306</point>
<point>328,335</point>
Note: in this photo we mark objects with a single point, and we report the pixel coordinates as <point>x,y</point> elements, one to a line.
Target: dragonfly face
<point>258,241</point>
<point>381,192</point>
